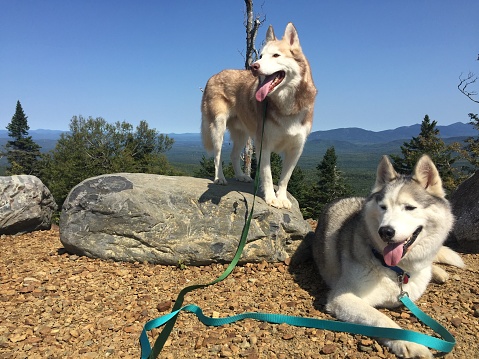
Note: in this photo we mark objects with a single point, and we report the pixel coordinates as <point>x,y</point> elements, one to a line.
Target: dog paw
<point>284,202</point>
<point>221,181</point>
<point>279,203</point>
<point>404,349</point>
<point>439,275</point>
<point>244,178</point>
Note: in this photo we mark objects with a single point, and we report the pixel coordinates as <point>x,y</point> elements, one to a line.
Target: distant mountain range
<point>360,136</point>
<point>351,134</point>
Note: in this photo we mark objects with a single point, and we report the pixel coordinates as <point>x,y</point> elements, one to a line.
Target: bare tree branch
<point>465,82</point>
<point>252,24</point>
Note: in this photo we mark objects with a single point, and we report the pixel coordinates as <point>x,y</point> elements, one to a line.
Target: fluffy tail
<point>206,136</point>
<point>447,256</point>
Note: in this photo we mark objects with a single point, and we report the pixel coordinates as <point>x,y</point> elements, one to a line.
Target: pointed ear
<point>291,35</point>
<point>427,175</point>
<point>270,36</point>
<point>385,174</point>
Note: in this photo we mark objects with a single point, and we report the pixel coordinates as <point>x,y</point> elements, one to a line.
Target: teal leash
<point>446,344</point>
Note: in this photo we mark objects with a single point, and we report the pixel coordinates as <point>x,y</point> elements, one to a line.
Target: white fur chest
<point>381,287</point>
<point>287,132</point>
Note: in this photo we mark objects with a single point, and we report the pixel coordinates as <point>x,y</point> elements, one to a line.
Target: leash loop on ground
<point>446,344</point>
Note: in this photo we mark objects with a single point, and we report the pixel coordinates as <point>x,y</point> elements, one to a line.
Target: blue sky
<point>377,64</point>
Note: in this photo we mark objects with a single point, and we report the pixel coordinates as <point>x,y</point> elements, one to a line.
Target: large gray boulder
<point>26,205</point>
<point>171,220</point>
<point>465,205</point>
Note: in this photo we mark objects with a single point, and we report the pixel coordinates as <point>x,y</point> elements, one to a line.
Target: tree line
<point>94,147</point>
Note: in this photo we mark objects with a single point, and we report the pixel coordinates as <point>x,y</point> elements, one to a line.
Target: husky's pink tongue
<point>393,253</point>
<point>263,88</point>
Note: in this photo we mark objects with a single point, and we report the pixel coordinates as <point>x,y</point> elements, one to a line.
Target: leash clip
<point>403,279</point>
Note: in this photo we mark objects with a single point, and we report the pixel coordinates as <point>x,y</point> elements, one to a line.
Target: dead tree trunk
<point>252,24</point>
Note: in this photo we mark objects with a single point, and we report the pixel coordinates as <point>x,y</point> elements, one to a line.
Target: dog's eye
<point>409,208</point>
<point>276,55</point>
<point>383,207</point>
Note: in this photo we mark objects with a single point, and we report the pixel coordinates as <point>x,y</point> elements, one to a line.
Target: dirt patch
<point>56,305</point>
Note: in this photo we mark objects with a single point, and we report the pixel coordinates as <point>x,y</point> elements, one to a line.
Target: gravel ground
<point>56,305</point>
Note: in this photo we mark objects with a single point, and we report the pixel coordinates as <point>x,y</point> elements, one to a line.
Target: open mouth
<point>269,84</point>
<point>394,252</point>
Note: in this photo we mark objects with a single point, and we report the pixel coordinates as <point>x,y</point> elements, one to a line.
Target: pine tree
<point>331,185</point>
<point>22,152</point>
<point>472,144</point>
<point>296,184</point>
<point>428,142</point>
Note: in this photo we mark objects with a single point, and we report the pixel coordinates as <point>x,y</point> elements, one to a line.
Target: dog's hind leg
<point>239,141</point>
<point>447,256</point>
<point>216,130</point>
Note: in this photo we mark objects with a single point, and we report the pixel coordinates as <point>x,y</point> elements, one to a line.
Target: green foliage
<point>276,166</point>
<point>472,144</point>
<point>429,142</point>
<point>22,152</point>
<point>296,185</point>
<point>94,147</point>
<point>207,168</point>
<point>331,185</point>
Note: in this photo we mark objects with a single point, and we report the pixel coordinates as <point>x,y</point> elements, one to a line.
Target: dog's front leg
<point>348,307</point>
<point>267,179</point>
<point>291,157</point>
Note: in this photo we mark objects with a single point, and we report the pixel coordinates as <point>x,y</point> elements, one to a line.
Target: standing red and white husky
<point>234,100</point>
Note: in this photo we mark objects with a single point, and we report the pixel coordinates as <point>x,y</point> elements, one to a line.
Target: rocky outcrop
<point>465,205</point>
<point>171,220</point>
<point>26,205</point>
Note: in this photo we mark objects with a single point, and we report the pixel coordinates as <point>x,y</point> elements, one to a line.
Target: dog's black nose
<point>386,233</point>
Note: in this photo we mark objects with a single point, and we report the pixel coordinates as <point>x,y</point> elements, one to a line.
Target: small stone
<point>15,338</point>
<point>456,322</point>
<point>366,342</point>
<point>365,348</point>
<point>199,343</point>
<point>328,349</point>
<point>164,306</point>
<point>131,329</point>
<point>288,336</point>
<point>225,353</point>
